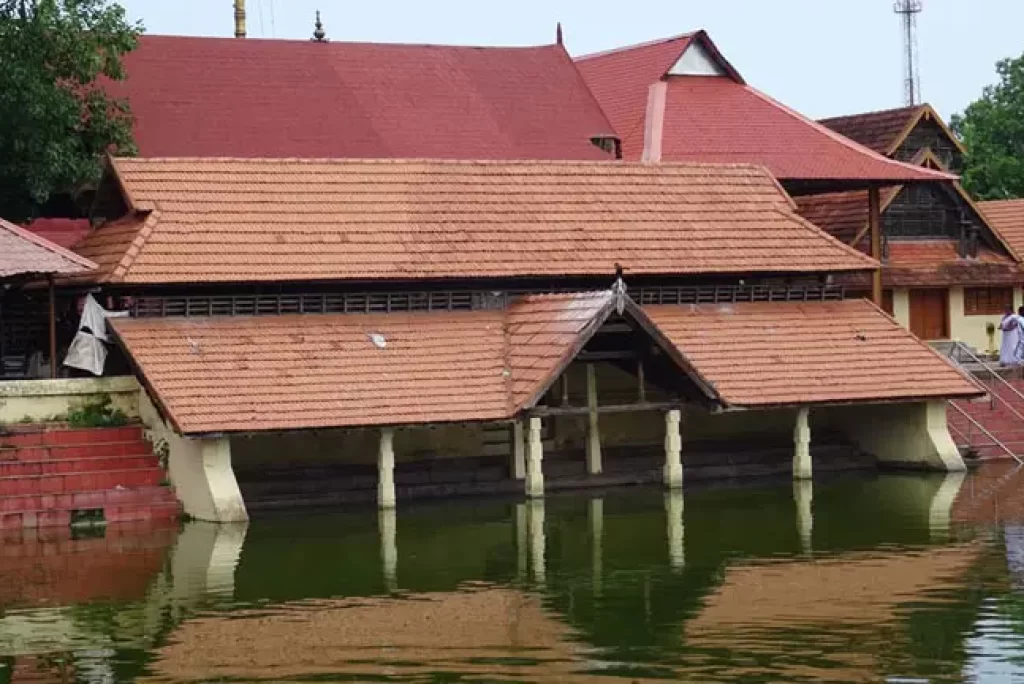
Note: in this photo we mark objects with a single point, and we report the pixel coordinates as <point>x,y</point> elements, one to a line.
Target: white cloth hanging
<point>94,317</point>
<point>86,353</point>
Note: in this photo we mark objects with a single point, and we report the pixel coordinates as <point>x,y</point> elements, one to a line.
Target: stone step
<point>69,483</point>
<point>75,451</point>
<point>54,437</point>
<point>111,514</point>
<point>64,466</point>
<point>87,500</point>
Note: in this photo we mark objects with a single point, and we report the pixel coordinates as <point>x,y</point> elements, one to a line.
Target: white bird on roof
<point>194,345</point>
<point>379,341</point>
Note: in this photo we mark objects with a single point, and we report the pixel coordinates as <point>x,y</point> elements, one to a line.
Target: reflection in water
<point>904,582</point>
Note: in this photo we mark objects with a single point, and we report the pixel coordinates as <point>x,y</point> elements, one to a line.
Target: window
<point>987,301</point>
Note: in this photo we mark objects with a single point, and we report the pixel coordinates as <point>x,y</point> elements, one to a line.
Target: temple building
<point>946,273</point>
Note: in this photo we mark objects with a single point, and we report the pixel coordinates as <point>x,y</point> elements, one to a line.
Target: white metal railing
<point>981,428</point>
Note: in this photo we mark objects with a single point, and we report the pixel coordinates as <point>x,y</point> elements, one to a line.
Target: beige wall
<point>967,329</point>
<point>43,400</point>
<point>901,306</point>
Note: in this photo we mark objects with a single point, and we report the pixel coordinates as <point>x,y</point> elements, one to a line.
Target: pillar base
<point>204,480</point>
<point>534,461</point>
<point>914,435</point>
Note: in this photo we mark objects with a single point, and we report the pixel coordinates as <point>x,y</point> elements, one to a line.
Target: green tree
<point>56,121</point>
<point>992,129</point>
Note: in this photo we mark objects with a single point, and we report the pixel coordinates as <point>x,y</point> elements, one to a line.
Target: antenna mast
<point>908,11</point>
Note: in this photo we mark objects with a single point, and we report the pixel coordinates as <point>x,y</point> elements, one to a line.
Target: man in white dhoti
<point>1011,347</point>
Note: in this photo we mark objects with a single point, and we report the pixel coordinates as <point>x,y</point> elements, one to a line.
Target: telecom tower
<point>908,11</point>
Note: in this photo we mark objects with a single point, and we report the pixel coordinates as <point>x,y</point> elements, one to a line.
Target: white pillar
<point>387,526</point>
<point>386,469</point>
<point>538,541</point>
<point>518,468</point>
<point>204,480</point>
<point>534,460</point>
<point>802,445</point>
<point>593,428</point>
<point>803,497</point>
<point>673,470</point>
<point>596,514</point>
<point>674,528</point>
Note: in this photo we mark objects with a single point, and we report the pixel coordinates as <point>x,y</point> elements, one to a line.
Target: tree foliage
<point>992,129</point>
<point>56,121</point>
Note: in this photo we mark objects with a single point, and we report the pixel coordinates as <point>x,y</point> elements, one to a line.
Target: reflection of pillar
<point>803,496</point>
<point>593,427</point>
<point>521,537</point>
<point>535,524</point>
<point>596,514</point>
<point>518,469</point>
<point>204,560</point>
<point>387,525</point>
<point>942,505</point>
<point>673,470</point>
<point>802,445</point>
<point>386,469</point>
<point>534,459</point>
<point>674,528</point>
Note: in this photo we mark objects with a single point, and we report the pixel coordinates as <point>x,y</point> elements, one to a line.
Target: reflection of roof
<point>25,253</point>
<point>278,98</point>
<point>880,131</point>
<point>219,220</point>
<point>336,370</point>
<point>763,354</point>
<point>1007,216</point>
<point>474,634</point>
<point>857,599</point>
<point>720,119</point>
<point>61,231</point>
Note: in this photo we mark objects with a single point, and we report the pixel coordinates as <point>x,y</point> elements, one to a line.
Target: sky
<point>821,57</point>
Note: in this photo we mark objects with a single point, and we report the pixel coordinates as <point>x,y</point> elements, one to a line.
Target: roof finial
<point>319,35</point>
<point>558,34</point>
<point>619,290</point>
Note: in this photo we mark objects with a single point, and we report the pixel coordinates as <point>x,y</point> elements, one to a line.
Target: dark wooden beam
<point>543,411</point>
<point>875,228</point>
<point>617,355</point>
<point>53,327</point>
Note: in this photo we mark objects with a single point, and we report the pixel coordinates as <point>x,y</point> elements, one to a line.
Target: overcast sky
<point>823,57</point>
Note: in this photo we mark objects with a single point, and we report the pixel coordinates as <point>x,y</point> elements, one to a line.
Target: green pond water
<point>900,578</point>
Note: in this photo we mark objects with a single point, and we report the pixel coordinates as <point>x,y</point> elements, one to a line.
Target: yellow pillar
<point>673,469</point>
<point>802,445</point>
<point>593,428</point>
<point>534,461</point>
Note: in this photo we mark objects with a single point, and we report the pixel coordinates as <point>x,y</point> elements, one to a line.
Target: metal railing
<point>957,352</point>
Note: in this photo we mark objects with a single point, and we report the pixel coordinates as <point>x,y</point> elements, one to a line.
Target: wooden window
<point>987,301</point>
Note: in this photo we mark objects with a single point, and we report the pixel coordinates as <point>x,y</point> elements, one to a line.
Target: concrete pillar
<point>538,541</point>
<point>518,469</point>
<point>534,460</point>
<point>673,469</point>
<point>941,507</point>
<point>912,435</point>
<point>593,427</point>
<point>674,528</point>
<point>387,526</point>
<point>802,445</point>
<point>386,469</point>
<point>596,515</point>
<point>803,497</point>
<point>203,479</point>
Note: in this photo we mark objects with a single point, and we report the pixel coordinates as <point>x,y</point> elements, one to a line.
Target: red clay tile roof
<point>765,354</point>
<point>214,97</point>
<point>880,131</point>
<point>317,371</point>
<point>60,231</point>
<point>25,253</point>
<point>723,120</point>
<point>1006,216</point>
<point>843,215</point>
<point>291,220</point>
<point>936,262</point>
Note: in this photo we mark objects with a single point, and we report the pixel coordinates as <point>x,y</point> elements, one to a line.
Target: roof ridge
<point>843,140</point>
<point>120,272</point>
<point>876,112</point>
<point>637,46</point>
<point>43,243</point>
<point>342,43</point>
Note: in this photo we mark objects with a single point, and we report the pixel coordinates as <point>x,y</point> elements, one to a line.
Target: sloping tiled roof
<point>880,131</point>
<point>843,215</point>
<point>722,120</point>
<point>215,97</point>
<point>60,231</point>
<point>764,354</point>
<point>318,371</point>
<point>217,220</point>
<point>936,262</point>
<point>1006,216</point>
<point>25,253</point>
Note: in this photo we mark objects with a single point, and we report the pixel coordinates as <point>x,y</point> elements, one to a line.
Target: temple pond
<point>858,578</point>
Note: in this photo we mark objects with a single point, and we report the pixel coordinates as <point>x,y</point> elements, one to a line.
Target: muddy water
<point>905,578</point>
